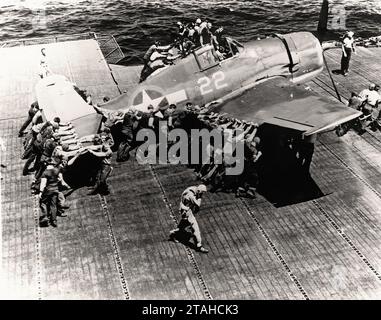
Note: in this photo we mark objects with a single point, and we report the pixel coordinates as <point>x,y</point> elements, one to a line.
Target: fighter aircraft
<point>262,81</point>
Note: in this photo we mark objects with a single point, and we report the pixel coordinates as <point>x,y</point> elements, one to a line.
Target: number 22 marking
<point>218,79</point>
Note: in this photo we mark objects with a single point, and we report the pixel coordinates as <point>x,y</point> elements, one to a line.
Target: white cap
<point>198,21</point>
<point>372,86</point>
<point>350,33</point>
<point>202,188</point>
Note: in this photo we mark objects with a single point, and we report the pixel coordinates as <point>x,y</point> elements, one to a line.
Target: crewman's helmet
<point>138,115</point>
<point>350,34</point>
<point>372,86</point>
<point>202,188</point>
<point>198,21</point>
<point>257,140</point>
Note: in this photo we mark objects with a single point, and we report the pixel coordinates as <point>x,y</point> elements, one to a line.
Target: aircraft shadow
<point>81,172</point>
<point>282,179</point>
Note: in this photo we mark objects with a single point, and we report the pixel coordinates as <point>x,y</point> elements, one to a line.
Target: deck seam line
<point>37,246</point>
<point>189,252</point>
<point>275,251</point>
<point>346,238</point>
<point>350,169</point>
<point>116,253</point>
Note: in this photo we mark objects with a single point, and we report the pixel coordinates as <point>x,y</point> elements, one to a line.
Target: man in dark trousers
<point>48,195</point>
<point>105,154</point>
<point>347,48</point>
<point>34,107</point>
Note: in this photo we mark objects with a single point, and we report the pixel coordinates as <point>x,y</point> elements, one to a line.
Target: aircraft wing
<point>57,98</point>
<point>282,103</point>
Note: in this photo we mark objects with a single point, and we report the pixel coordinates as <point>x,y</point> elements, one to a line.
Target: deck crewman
<point>189,206</point>
<point>34,107</point>
<point>49,198</point>
<point>347,48</point>
<point>105,154</point>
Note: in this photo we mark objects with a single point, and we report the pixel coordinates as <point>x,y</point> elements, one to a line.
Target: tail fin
<point>323,19</point>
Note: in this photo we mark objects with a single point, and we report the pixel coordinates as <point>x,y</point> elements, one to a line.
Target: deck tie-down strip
<point>117,259</point>
<point>36,216</point>
<point>189,252</point>
<point>276,252</point>
<point>346,238</point>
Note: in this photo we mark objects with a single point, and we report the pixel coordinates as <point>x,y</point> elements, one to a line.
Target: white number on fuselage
<point>218,81</point>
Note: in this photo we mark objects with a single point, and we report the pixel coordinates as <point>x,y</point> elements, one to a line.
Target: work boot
<point>53,223</point>
<point>172,237</point>
<point>44,222</point>
<point>202,249</point>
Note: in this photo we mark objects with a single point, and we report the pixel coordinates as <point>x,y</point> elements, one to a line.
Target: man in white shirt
<point>347,48</point>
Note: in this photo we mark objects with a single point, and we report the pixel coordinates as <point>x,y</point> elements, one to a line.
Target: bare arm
<point>42,186</point>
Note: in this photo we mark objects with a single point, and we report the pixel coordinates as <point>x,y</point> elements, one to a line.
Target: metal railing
<point>107,43</point>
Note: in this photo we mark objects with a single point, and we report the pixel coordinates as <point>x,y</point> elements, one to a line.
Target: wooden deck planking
<point>77,259</point>
<point>234,243</point>
<point>156,268</point>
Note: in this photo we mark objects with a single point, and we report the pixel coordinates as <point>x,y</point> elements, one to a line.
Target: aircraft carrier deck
<point>115,247</point>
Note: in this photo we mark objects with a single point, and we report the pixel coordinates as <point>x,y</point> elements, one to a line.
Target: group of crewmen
<point>188,37</point>
<point>50,147</point>
<point>368,101</point>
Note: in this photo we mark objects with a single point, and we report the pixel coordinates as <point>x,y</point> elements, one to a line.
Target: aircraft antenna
<point>330,76</point>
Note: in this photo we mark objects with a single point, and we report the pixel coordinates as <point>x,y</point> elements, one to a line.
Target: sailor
<point>189,206</point>
<point>347,47</point>
<point>44,69</point>
<point>371,96</point>
<point>105,169</point>
<point>154,48</point>
<point>169,115</point>
<point>34,107</point>
<point>48,195</point>
<point>197,32</point>
<point>105,134</point>
<point>371,100</point>
<point>183,30</point>
<point>127,134</point>
<point>154,52</point>
<point>205,33</point>
<point>48,147</point>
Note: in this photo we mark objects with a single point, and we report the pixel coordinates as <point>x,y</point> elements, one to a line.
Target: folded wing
<point>57,98</point>
<point>280,102</point>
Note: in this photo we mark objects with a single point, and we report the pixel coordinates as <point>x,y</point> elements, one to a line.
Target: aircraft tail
<point>323,18</point>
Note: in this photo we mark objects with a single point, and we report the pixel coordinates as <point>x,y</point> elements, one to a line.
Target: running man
<point>189,206</point>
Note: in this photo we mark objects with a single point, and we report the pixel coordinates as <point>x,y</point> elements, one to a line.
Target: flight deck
<point>116,247</point>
